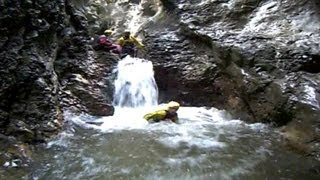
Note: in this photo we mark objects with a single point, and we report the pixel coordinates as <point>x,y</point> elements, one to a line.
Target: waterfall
<point>135,85</point>
<point>135,89</point>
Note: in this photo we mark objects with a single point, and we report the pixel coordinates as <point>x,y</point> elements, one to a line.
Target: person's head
<point>126,34</point>
<point>108,32</point>
<point>103,36</point>
<point>173,106</point>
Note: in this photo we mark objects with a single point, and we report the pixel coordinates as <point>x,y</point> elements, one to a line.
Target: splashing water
<point>206,144</point>
<point>136,93</point>
<point>135,85</point>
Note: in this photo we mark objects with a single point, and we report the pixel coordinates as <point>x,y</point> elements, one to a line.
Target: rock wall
<point>48,67</point>
<point>258,59</point>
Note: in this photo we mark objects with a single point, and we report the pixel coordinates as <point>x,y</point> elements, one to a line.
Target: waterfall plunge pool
<point>205,144</point>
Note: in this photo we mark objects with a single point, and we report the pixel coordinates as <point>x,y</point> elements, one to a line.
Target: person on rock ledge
<point>168,114</point>
<point>104,43</point>
<point>128,44</point>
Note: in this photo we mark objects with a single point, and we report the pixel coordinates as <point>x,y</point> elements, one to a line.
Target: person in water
<point>105,43</point>
<point>128,44</point>
<point>168,114</point>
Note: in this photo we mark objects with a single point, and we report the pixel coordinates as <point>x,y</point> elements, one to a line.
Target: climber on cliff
<point>104,42</point>
<point>128,44</point>
<point>167,114</point>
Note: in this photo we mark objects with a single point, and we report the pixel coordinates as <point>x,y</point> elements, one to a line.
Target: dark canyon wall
<point>47,67</point>
<point>258,59</point>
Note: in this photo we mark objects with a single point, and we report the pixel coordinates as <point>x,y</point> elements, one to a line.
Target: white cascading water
<point>135,85</point>
<point>135,94</point>
<point>136,91</point>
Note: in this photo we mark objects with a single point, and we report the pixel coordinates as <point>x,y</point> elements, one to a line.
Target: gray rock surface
<point>258,59</point>
<point>48,67</point>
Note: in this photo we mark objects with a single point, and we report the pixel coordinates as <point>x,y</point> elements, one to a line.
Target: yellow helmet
<point>173,104</point>
<point>108,31</point>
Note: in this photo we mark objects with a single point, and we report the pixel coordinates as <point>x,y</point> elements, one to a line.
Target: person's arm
<point>120,41</point>
<point>108,42</point>
<point>148,116</point>
<point>174,117</point>
<point>138,43</point>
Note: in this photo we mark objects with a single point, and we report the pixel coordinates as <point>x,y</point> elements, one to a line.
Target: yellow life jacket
<point>131,41</point>
<point>161,115</point>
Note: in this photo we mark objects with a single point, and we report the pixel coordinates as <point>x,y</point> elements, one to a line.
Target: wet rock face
<point>246,43</point>
<point>29,86</point>
<point>258,59</point>
<point>29,89</point>
<point>84,74</point>
<point>48,66</point>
